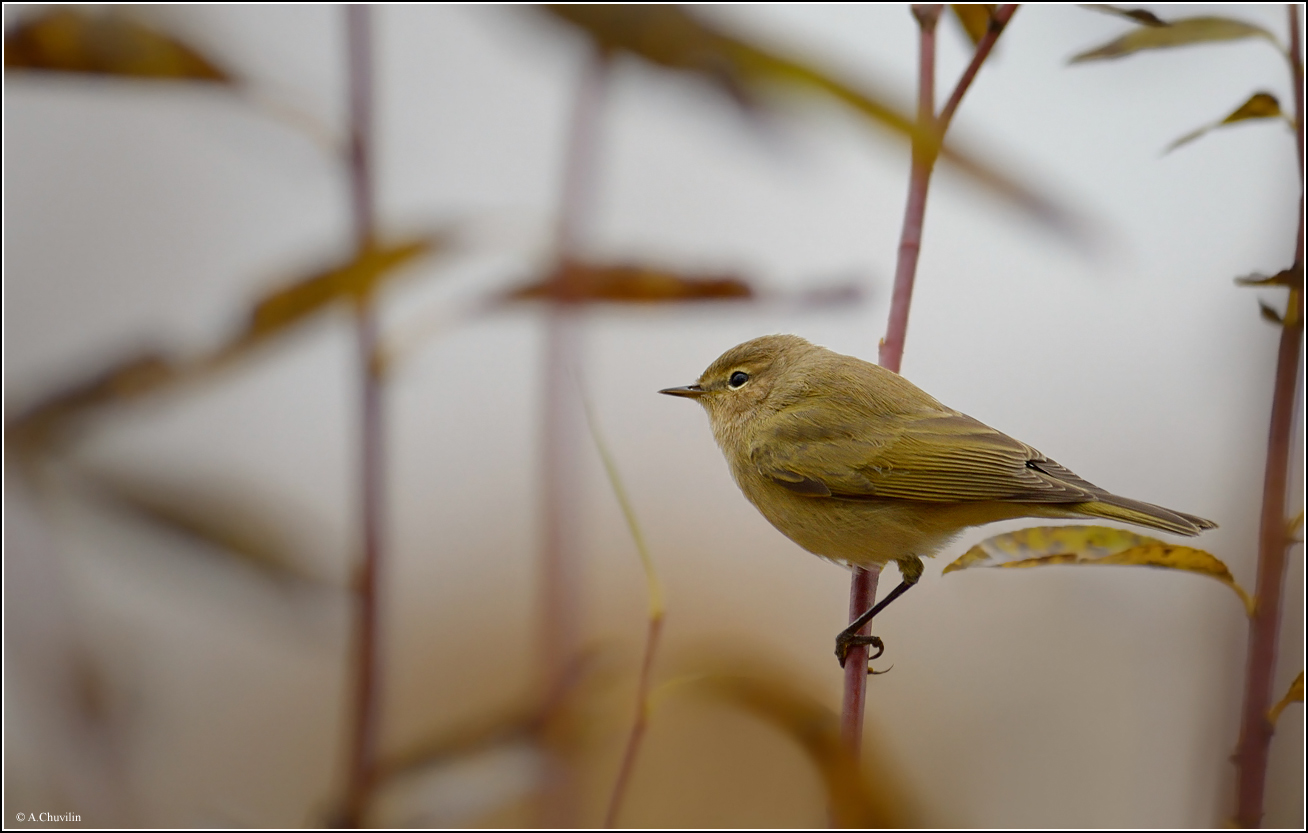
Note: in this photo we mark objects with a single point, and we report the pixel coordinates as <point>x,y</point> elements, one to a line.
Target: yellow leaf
<point>1260,105</point>
<point>46,419</point>
<point>974,17</point>
<point>355,280</point>
<point>1093,545</point>
<point>1267,313</point>
<point>1184,32</point>
<point>100,43</point>
<point>672,38</point>
<point>1142,16</point>
<point>1291,277</point>
<point>859,795</point>
<point>1294,695</point>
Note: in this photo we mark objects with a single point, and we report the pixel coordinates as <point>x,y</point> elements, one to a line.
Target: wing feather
<point>936,456</point>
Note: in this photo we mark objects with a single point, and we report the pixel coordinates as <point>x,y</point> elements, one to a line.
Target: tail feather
<point>1145,514</point>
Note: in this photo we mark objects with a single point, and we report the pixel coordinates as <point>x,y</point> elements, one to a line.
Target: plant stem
<point>559,486</point>
<point>639,724</point>
<point>863,584</point>
<point>862,593</point>
<point>363,752</point>
<point>1274,538</point>
<point>998,21</point>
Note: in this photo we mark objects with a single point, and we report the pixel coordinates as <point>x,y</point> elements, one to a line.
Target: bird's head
<point>741,385</point>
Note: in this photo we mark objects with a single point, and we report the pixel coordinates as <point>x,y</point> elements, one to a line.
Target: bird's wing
<point>937,455</point>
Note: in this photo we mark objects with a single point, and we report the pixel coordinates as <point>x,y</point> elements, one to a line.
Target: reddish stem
<point>363,753</point>
<point>862,593</point>
<point>863,582</point>
<point>638,725</point>
<point>560,573</point>
<point>998,21</point>
<point>862,588</point>
<point>1274,538</point>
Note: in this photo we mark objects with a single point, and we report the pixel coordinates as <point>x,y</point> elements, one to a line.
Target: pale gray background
<point>151,214</point>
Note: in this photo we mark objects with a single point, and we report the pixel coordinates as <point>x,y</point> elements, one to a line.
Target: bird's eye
<point>738,380</point>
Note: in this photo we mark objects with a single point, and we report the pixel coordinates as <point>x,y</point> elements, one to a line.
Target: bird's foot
<point>845,641</point>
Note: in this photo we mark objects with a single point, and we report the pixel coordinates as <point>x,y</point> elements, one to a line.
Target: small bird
<point>859,466</point>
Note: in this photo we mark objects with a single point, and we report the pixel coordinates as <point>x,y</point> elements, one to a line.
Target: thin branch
<point>559,636</point>
<point>863,583</point>
<point>998,21</point>
<point>638,725</point>
<point>654,588</point>
<point>1296,78</point>
<point>560,571</point>
<point>910,237</point>
<point>363,753</point>
<point>862,594</point>
<point>1274,538</point>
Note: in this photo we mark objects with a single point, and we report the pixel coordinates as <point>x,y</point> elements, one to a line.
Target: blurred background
<point>156,676</point>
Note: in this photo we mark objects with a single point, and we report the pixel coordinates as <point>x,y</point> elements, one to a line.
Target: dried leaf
<point>1292,277</point>
<point>1184,32</point>
<point>856,801</point>
<point>1260,105</point>
<point>296,301</point>
<point>1142,16</point>
<point>672,38</point>
<point>1293,695</point>
<point>1269,314</point>
<point>1093,545</point>
<point>974,17</point>
<point>231,520</point>
<point>510,725</point>
<point>631,283</point>
<point>99,43</point>
<point>123,380</point>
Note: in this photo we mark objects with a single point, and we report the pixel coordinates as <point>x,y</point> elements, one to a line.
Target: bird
<point>859,466</point>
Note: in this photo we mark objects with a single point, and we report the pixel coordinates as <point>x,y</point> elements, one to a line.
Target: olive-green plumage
<point>856,464</point>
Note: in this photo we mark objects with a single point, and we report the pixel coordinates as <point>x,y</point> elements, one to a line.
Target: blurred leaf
<point>104,43</point>
<point>856,801</point>
<point>1093,545</point>
<point>1292,277</point>
<point>974,17</point>
<point>355,280</point>
<point>672,38</point>
<point>631,283</point>
<point>1268,313</point>
<point>234,521</point>
<point>1184,32</point>
<point>1294,695</point>
<point>1261,105</point>
<point>126,379</point>
<point>1142,16</point>
<point>508,726</point>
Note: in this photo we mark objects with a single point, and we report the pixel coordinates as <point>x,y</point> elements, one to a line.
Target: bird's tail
<point>1145,514</point>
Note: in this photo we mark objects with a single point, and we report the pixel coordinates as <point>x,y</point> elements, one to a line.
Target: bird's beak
<point>691,391</point>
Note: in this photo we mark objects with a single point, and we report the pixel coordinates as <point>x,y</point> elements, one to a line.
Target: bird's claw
<point>846,641</point>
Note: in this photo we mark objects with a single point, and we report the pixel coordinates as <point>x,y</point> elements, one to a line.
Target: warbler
<point>859,466</point>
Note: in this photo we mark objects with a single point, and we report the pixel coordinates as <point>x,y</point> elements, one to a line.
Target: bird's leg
<point>911,569</point>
